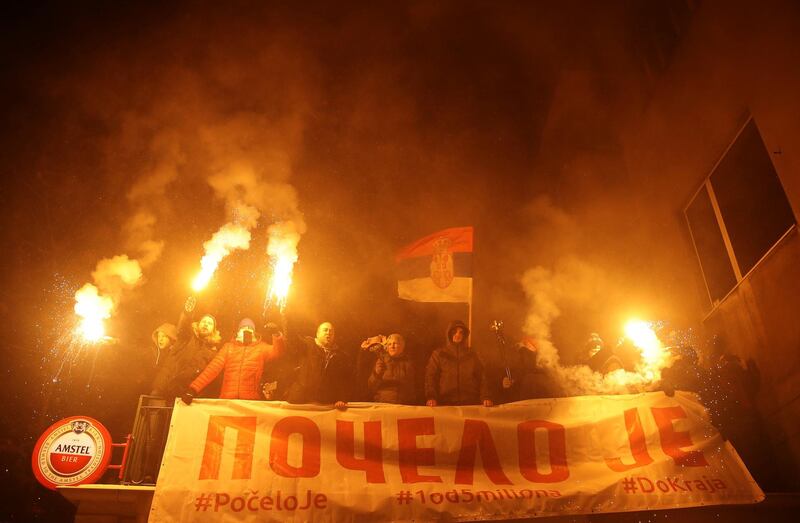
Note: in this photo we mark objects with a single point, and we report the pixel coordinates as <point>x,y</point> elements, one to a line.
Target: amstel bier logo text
<point>72,451</point>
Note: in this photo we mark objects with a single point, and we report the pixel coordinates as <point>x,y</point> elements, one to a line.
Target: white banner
<point>263,461</point>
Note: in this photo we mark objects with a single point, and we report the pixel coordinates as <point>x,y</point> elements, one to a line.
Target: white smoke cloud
<point>149,194</point>
<point>576,284</point>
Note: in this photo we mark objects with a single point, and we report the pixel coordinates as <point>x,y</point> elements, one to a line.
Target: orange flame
<point>654,356</point>
<point>282,250</point>
<point>229,237</point>
<point>93,309</point>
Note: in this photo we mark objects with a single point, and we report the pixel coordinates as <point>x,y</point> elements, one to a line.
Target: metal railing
<point>148,439</point>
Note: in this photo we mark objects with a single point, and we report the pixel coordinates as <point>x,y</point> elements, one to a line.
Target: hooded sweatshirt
<point>455,374</point>
<point>172,333</point>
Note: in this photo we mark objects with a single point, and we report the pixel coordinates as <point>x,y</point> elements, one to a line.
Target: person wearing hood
<point>156,419</point>
<point>455,374</point>
<point>195,346</point>
<point>325,374</point>
<point>392,379</point>
<point>241,362</point>
<point>164,338</point>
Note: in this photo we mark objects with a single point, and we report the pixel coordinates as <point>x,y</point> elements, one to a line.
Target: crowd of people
<point>273,365</point>
<point>315,369</point>
<point>191,356</point>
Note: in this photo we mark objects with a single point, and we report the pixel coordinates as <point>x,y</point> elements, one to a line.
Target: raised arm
<point>185,319</point>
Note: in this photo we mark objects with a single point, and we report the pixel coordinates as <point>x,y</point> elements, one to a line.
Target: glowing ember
<point>93,310</point>
<point>282,250</point>
<point>228,238</point>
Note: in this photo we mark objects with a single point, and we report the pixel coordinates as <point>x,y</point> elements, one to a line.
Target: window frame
<point>708,187</point>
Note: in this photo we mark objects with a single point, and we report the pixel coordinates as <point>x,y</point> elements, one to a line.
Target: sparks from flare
<point>93,309</point>
<point>282,267</point>
<point>282,250</point>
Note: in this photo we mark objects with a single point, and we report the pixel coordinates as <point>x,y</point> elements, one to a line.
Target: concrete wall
<point>732,62</point>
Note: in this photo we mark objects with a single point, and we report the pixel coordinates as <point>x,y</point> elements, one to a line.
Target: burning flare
<point>654,355</point>
<point>282,250</point>
<point>644,337</point>
<point>228,238</point>
<point>93,309</point>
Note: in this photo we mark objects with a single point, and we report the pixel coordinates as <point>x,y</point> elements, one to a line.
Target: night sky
<point>390,120</point>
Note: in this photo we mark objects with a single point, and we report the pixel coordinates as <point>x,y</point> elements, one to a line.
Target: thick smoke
<point>148,196</point>
<point>117,274</point>
<point>253,186</point>
<point>576,284</point>
<point>114,276</point>
<point>96,302</point>
<point>572,281</point>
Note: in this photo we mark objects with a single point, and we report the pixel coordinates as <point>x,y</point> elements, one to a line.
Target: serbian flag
<point>437,268</point>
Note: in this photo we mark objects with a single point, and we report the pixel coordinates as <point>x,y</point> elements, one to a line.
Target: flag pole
<point>469,320</point>
<point>471,279</point>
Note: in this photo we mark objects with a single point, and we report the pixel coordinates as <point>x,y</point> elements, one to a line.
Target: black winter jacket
<point>455,374</point>
<point>530,380</point>
<point>185,360</point>
<point>322,377</point>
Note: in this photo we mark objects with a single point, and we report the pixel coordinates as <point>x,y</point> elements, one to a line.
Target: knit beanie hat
<point>247,322</point>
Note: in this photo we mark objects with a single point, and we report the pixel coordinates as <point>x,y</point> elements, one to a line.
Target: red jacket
<point>242,367</point>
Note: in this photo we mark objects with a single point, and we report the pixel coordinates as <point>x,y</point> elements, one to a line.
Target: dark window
<point>743,197</point>
<point>750,198</point>
<point>710,246</point>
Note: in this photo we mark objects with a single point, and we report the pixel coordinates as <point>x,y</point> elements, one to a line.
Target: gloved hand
<point>191,301</point>
<point>188,396</point>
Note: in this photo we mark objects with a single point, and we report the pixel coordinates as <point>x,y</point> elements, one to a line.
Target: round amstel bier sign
<point>72,451</point>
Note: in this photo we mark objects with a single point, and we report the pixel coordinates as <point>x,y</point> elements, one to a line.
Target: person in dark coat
<point>455,374</point>
<point>196,345</point>
<point>164,337</point>
<point>601,357</point>
<point>182,352</point>
<point>393,377</point>
<point>325,374</point>
<point>684,373</point>
<point>528,380</point>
